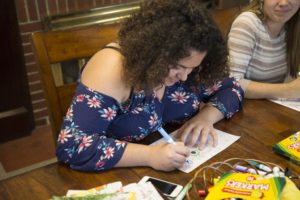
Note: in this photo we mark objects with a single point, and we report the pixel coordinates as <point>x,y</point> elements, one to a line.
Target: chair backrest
<point>225,17</point>
<point>54,47</point>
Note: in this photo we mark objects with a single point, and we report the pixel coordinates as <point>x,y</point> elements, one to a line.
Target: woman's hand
<point>196,132</point>
<point>167,156</point>
<point>199,129</point>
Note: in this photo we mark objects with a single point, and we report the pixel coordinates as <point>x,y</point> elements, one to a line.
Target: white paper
<point>198,157</point>
<point>143,191</point>
<point>293,104</point>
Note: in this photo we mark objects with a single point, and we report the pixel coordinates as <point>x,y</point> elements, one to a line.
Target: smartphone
<point>167,188</point>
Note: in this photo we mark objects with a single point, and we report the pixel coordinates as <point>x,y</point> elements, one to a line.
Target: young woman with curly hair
<point>170,59</point>
<point>264,49</point>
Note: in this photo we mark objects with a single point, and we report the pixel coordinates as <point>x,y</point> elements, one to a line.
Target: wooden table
<point>261,124</point>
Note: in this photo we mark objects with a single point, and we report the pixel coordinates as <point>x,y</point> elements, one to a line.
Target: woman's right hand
<point>167,157</point>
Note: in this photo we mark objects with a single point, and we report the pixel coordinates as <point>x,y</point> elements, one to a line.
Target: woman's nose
<point>182,75</point>
<point>283,2</point>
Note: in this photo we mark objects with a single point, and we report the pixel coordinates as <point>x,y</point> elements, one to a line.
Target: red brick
<point>42,8</point>
<point>32,10</point>
<point>37,96</point>
<point>72,5</point>
<point>84,5</point>
<point>34,77</point>
<point>39,105</point>
<point>32,67</point>
<point>115,1</point>
<point>39,114</point>
<point>52,7</point>
<point>21,12</point>
<point>27,48</point>
<point>99,3</point>
<point>62,5</point>
<point>31,27</point>
<point>35,87</point>
<point>41,121</point>
<point>25,37</point>
<point>29,58</point>
<point>108,2</point>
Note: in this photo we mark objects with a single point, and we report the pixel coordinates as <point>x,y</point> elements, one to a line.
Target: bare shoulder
<point>103,73</point>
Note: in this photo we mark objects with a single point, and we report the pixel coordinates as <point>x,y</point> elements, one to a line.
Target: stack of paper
<point>113,191</point>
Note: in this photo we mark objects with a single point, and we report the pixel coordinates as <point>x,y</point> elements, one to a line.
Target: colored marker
<point>166,135</point>
<point>288,172</point>
<point>248,170</point>
<point>276,171</point>
<point>202,193</point>
<point>260,166</point>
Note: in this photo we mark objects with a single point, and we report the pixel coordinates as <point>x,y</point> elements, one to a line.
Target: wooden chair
<point>57,46</point>
<point>225,17</point>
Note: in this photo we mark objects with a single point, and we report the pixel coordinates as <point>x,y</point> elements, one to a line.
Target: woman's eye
<point>181,67</point>
<point>175,67</point>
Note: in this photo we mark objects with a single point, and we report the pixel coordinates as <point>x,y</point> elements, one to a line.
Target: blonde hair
<point>292,35</point>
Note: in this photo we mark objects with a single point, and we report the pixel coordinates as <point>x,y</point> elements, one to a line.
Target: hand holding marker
<point>166,135</point>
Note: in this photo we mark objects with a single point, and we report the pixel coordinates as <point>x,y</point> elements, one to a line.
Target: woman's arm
<point>164,156</point>
<point>257,90</point>
<point>222,100</point>
<point>83,141</point>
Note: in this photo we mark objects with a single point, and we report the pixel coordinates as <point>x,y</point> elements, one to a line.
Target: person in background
<point>158,72</point>
<point>264,49</point>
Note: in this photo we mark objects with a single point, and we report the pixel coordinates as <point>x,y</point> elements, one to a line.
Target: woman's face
<point>184,67</point>
<point>280,11</point>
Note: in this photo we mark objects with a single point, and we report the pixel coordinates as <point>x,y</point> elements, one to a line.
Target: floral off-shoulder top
<point>96,128</point>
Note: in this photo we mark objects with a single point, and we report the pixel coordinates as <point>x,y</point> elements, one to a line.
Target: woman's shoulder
<point>247,21</point>
<point>104,73</point>
<point>248,18</point>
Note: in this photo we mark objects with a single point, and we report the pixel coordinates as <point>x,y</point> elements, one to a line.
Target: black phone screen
<point>166,188</point>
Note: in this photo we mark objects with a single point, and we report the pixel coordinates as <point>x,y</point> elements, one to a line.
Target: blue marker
<point>166,135</point>
<point>260,166</point>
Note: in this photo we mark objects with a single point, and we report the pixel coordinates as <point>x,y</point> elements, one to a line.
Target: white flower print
<point>153,119</point>
<point>195,104</point>
<point>237,93</point>
<point>108,113</point>
<point>180,97</point>
<point>85,142</point>
<point>120,143</point>
<point>94,103</point>
<point>64,135</point>
<point>80,98</point>
<point>109,152</point>
<point>236,83</point>
<point>69,114</point>
<point>212,89</point>
<point>137,110</point>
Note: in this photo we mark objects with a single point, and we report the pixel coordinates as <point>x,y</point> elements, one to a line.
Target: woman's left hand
<point>199,130</point>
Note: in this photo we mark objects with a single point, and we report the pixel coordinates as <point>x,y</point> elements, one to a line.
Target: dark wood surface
<point>261,124</point>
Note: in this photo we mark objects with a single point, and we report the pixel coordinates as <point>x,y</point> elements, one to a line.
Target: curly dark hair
<point>162,33</point>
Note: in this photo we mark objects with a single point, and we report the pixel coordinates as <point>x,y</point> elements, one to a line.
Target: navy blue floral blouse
<point>96,128</point>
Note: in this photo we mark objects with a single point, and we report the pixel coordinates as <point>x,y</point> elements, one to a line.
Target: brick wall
<point>30,14</point>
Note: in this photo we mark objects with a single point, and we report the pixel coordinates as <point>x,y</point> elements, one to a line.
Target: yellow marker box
<point>246,186</point>
<point>290,147</point>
